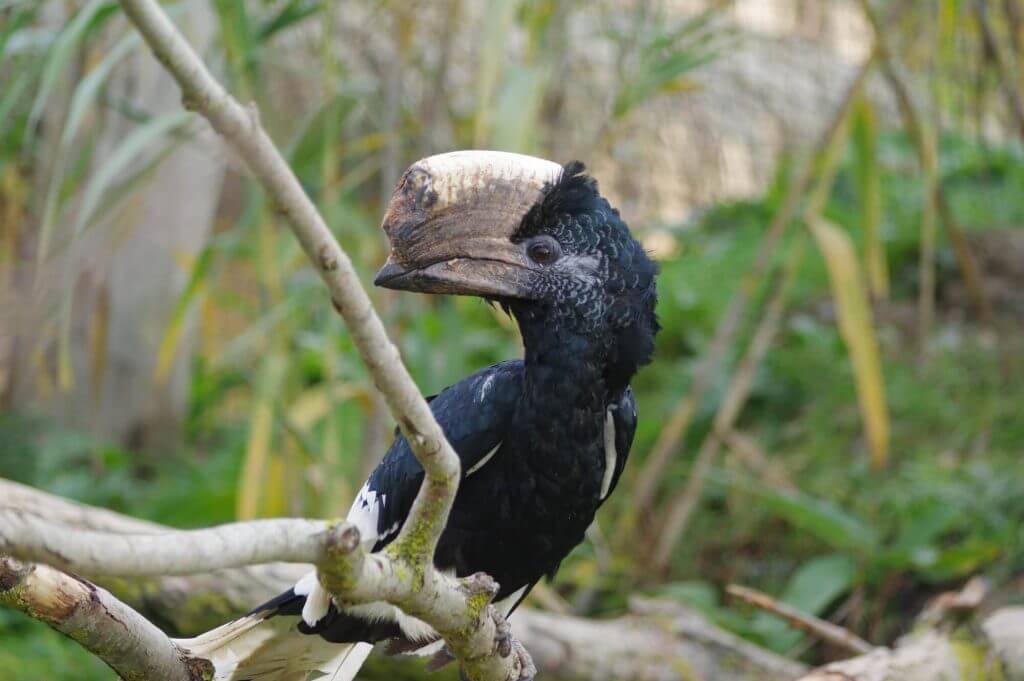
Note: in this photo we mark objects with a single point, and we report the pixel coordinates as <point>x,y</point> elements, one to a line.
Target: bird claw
<point>506,644</point>
<point>527,670</point>
<point>502,634</point>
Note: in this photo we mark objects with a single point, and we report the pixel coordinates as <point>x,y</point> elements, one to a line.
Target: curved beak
<point>390,274</point>
<point>457,276</point>
<point>451,220</point>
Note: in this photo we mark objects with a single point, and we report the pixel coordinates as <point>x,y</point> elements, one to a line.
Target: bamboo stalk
<point>1010,89</point>
<point>912,122</point>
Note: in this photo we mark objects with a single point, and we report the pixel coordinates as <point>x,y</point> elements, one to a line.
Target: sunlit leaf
<point>856,327</point>
<point>172,335</point>
<point>261,436</point>
<point>312,405</point>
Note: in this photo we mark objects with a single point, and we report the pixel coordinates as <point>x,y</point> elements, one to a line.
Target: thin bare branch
<point>128,642</point>
<point>995,650</point>
<point>453,606</point>
<point>27,536</point>
<point>659,639</point>
<point>815,626</point>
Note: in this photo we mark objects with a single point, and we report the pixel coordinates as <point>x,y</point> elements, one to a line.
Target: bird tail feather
<point>261,648</point>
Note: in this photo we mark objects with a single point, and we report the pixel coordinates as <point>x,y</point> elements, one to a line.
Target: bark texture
<point>130,644</point>
<point>992,652</point>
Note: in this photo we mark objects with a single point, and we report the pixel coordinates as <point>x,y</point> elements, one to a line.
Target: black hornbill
<point>542,440</point>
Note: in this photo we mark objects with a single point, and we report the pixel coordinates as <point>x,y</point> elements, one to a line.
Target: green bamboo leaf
<point>291,14</point>
<point>143,138</point>
<point>858,332</point>
<point>865,138</point>
<point>13,92</point>
<point>811,589</point>
<point>239,43</point>
<point>67,44</point>
<point>172,335</point>
<point>82,99</point>
<point>86,93</point>
<point>663,60</point>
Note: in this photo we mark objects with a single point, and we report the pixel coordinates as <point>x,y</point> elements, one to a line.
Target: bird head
<point>529,233</point>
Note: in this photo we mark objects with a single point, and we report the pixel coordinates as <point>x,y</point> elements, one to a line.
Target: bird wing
<point>474,413</point>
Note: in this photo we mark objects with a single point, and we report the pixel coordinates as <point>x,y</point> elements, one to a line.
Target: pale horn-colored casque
<point>452,218</point>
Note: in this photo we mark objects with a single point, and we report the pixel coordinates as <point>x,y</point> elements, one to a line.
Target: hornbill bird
<point>542,440</point>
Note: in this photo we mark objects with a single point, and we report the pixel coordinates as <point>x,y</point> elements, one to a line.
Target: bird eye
<point>544,250</point>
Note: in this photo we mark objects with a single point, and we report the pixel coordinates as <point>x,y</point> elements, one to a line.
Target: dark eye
<point>544,250</point>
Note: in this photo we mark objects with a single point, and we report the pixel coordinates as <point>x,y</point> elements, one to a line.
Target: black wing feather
<point>474,413</point>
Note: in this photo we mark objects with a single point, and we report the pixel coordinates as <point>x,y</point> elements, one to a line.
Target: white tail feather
<point>272,649</point>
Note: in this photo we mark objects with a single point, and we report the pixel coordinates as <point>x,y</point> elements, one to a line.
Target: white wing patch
<point>317,598</point>
<point>365,513</point>
<point>610,454</point>
<point>487,457</point>
<point>485,388</point>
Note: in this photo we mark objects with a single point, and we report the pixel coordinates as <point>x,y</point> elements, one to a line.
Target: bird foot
<point>527,669</point>
<point>506,644</point>
<point>502,634</point>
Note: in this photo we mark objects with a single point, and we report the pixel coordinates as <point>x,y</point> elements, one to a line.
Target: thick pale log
<point>114,632</point>
<point>993,652</point>
<point>656,641</point>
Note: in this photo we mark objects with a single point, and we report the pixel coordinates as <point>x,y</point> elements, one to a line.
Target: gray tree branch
<point>117,634</point>
<point>655,640</point>
<point>993,651</point>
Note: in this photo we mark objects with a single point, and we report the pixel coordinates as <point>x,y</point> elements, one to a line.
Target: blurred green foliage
<point>801,515</point>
